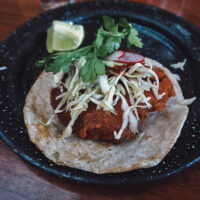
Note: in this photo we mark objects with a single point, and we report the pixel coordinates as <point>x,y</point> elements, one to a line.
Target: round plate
<point>167,38</point>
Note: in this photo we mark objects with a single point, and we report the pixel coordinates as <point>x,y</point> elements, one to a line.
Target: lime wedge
<point>63,36</point>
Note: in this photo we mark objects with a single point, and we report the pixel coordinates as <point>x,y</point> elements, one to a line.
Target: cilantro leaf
<point>132,34</point>
<point>110,45</point>
<point>99,39</point>
<point>108,22</point>
<point>111,34</point>
<point>133,39</point>
<point>62,60</point>
<point>108,39</point>
<point>92,68</point>
<point>124,24</point>
<point>43,62</point>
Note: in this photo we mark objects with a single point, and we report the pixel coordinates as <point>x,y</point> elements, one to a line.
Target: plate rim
<point>71,178</point>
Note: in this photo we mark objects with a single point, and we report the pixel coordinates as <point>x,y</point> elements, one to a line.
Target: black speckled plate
<point>167,38</point>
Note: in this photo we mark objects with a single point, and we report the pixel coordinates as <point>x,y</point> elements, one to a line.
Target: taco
<point>146,149</point>
<point>105,110</point>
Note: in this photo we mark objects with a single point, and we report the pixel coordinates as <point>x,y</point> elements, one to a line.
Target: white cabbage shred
<point>106,91</point>
<point>188,101</point>
<point>3,68</point>
<point>179,65</point>
<point>177,77</point>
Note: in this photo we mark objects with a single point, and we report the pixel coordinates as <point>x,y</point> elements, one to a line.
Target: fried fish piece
<point>100,125</point>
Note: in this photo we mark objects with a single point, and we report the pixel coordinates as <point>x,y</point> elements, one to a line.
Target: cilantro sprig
<point>109,38</point>
<point>62,60</point>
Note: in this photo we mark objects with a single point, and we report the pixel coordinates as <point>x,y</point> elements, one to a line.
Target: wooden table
<point>21,181</point>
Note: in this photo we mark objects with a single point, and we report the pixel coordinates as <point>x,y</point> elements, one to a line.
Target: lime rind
<point>63,36</point>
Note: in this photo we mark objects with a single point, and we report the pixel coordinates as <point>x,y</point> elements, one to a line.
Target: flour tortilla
<point>145,150</point>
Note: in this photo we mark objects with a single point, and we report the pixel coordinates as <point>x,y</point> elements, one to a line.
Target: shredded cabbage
<point>188,101</point>
<point>106,91</point>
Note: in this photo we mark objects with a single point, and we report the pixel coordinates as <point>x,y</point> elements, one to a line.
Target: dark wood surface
<point>21,181</point>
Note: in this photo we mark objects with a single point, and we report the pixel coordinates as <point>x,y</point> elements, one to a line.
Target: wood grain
<point>21,181</point>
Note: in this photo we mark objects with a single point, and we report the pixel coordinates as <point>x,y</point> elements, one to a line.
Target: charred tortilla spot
<point>44,130</point>
<point>56,155</point>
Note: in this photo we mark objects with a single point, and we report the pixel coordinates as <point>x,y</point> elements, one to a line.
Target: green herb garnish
<point>109,38</point>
